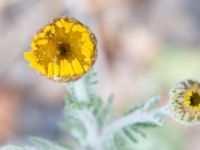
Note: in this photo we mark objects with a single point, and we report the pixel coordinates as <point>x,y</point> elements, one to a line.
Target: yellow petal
<point>47,29</point>
<point>59,24</point>
<point>68,68</point>
<point>88,44</point>
<point>33,46</point>
<point>42,42</point>
<point>38,67</point>
<point>62,73</point>
<point>55,70</point>
<point>41,35</point>
<point>68,27</point>
<point>53,30</point>
<point>66,71</point>
<point>87,53</point>
<point>50,70</point>
<point>30,56</point>
<point>85,37</point>
<point>77,67</point>
<point>79,28</point>
<point>86,67</point>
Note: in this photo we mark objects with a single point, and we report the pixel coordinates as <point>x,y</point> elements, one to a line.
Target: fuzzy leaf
<point>43,144</point>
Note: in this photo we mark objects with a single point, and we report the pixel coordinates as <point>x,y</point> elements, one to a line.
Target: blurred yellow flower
<point>63,50</point>
<point>184,104</point>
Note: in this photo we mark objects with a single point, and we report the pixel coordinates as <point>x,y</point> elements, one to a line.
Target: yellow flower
<point>63,50</point>
<point>184,104</point>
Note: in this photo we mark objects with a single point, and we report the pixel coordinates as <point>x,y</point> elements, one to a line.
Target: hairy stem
<point>133,118</point>
<point>81,92</point>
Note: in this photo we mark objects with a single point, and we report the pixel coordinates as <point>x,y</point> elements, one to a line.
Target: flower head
<point>184,104</point>
<point>63,50</point>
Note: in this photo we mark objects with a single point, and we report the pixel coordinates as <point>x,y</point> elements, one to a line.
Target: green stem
<point>80,90</point>
<point>132,118</point>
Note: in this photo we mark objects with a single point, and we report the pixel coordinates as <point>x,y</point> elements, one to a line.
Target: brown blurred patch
<point>9,104</point>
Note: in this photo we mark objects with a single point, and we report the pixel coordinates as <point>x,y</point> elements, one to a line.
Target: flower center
<point>63,49</point>
<point>194,99</point>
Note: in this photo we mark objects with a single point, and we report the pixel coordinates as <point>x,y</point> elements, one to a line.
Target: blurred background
<point>144,47</point>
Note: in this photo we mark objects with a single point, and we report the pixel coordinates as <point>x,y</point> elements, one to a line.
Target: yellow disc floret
<point>63,50</point>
